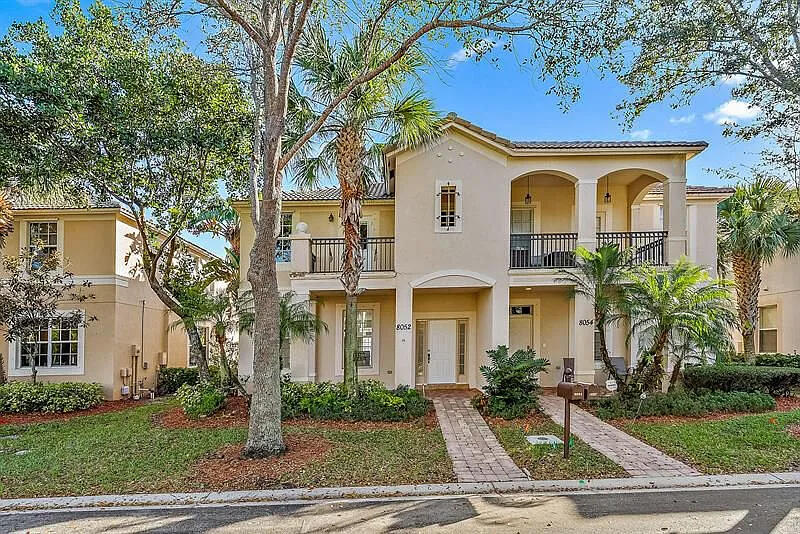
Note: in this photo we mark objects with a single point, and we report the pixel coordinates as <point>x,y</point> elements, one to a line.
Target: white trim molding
<point>374,369</point>
<point>457,278</point>
<point>102,280</point>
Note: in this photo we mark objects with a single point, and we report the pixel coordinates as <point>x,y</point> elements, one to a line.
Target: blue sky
<point>508,100</point>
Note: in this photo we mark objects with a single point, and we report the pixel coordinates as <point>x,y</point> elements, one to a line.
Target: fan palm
<point>597,277</point>
<point>350,141</point>
<point>667,307</point>
<point>756,224</point>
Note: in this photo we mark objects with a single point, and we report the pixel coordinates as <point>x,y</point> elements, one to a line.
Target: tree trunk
<point>600,319</point>
<point>747,274</point>
<point>196,349</point>
<point>264,436</point>
<point>349,169</point>
<point>2,370</point>
<point>676,373</point>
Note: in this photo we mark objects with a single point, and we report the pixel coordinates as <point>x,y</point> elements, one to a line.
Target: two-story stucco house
<point>131,337</point>
<point>462,246</point>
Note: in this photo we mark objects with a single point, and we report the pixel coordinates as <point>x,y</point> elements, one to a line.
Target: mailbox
<point>572,391</point>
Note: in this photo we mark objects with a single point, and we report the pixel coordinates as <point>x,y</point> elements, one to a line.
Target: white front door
<point>442,352</point>
<point>520,332</point>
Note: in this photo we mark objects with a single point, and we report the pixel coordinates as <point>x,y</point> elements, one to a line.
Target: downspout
<point>141,344</point>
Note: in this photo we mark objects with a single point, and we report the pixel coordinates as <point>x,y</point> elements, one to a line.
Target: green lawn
<point>546,463</point>
<point>746,444</point>
<point>123,452</point>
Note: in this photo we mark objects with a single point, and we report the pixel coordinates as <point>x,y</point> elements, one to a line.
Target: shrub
<point>51,397</point>
<point>684,404</point>
<point>171,378</point>
<point>771,380</point>
<point>511,383</point>
<point>778,360</point>
<point>371,401</point>
<point>200,400</point>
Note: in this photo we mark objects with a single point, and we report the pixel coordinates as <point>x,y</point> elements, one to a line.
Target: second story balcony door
<point>521,224</point>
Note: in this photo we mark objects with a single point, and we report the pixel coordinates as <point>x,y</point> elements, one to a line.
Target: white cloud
<point>735,79</point>
<point>640,135</point>
<point>686,119</point>
<point>732,111</point>
<point>463,54</point>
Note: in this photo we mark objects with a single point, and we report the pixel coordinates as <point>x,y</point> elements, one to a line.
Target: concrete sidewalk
<point>480,488</point>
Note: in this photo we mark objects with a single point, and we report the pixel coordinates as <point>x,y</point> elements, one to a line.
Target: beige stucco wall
<point>97,246</point>
<point>781,287</point>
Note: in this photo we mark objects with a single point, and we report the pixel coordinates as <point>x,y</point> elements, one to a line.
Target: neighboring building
<point>132,335</point>
<point>778,328</point>
<point>462,245</point>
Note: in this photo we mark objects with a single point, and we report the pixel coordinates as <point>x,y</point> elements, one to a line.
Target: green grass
<point>547,463</point>
<point>746,444</point>
<point>123,452</point>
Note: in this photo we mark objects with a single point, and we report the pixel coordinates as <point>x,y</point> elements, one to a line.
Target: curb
<point>417,490</point>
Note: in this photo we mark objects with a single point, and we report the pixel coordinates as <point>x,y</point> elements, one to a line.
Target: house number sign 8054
<point>586,322</point>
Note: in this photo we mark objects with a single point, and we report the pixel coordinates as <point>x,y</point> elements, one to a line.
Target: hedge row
<point>749,378</point>
<point>26,397</point>
<point>371,401</point>
<point>684,404</point>
<point>774,359</point>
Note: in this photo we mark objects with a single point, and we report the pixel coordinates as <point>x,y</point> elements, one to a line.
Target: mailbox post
<point>570,392</point>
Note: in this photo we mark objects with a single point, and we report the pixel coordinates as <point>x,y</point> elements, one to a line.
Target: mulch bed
<point>534,419</point>
<point>794,430</point>
<point>226,469</point>
<point>235,414</point>
<point>105,407</point>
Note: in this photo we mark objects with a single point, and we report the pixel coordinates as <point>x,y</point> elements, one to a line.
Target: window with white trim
<point>768,329</point>
<point>56,344</point>
<point>364,338</point>
<point>448,206</point>
<point>283,247</point>
<point>43,240</point>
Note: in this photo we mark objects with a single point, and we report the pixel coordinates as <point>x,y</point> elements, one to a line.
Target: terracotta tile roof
<point>60,201</point>
<point>567,145</point>
<point>658,189</point>
<point>373,192</point>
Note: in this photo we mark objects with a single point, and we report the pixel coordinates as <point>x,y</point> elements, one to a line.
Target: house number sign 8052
<point>404,326</point>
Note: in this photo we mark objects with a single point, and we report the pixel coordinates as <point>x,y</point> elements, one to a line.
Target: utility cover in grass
<point>544,439</point>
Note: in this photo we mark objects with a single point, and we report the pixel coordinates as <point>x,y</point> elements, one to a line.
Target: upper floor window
<point>43,239</point>
<point>448,206</point>
<point>768,329</point>
<point>283,248</point>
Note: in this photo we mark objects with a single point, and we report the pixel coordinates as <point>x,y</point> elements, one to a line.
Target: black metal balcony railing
<point>327,253</point>
<point>547,251</point>
<point>648,246</point>
<point>543,251</point>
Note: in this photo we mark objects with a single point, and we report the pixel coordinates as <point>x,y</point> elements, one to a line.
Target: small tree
<point>511,382</point>
<point>598,277</point>
<point>30,295</point>
<point>666,307</point>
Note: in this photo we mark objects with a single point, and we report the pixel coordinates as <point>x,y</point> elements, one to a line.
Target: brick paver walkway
<point>634,456</point>
<point>476,454</point>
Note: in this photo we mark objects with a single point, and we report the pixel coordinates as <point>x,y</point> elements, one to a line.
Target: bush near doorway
<point>775,381</point>
<point>511,383</point>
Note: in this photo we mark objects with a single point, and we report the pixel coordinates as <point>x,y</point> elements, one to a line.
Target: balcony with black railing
<point>557,250</point>
<point>327,254</point>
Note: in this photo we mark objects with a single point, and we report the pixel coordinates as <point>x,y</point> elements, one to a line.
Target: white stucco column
<point>675,218</point>
<point>301,249</point>
<point>583,327</point>
<point>299,350</point>
<point>500,315</point>
<point>586,212</point>
<point>404,362</point>
<point>245,367</point>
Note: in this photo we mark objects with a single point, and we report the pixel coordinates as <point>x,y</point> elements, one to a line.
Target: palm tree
<point>756,223</point>
<point>597,277</point>
<point>297,321</point>
<point>219,221</point>
<point>349,142</point>
<point>699,341</point>
<point>668,306</point>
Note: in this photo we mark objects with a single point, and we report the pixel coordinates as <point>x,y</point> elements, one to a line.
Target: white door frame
<point>449,326</point>
<point>471,362</point>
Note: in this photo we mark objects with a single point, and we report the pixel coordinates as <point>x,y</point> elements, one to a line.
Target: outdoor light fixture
<point>528,197</point>
<point>330,217</point>
<point>607,196</point>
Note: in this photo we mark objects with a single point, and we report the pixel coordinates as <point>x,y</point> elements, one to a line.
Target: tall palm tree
<point>666,307</point>
<point>598,276</point>
<point>756,224</point>
<point>351,140</point>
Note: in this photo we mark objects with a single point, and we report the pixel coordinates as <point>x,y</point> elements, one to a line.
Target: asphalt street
<point>752,510</point>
